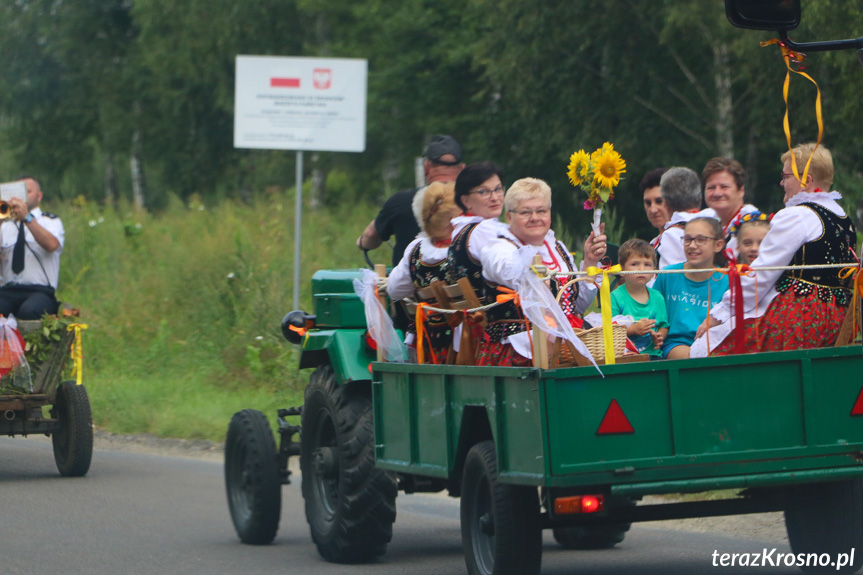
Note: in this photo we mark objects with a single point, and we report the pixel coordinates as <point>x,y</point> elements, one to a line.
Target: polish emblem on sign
<point>322,78</point>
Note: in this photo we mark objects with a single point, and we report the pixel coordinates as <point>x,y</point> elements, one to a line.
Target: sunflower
<point>609,166</point>
<point>579,166</point>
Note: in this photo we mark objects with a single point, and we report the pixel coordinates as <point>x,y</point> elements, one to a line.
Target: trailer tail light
<point>579,504</point>
<point>370,342</point>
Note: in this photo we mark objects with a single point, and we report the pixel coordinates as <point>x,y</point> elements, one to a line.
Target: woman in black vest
<point>479,193</point>
<point>795,309</point>
<point>424,262</point>
<point>506,339</point>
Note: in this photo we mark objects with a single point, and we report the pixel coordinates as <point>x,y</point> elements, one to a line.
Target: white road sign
<point>288,103</point>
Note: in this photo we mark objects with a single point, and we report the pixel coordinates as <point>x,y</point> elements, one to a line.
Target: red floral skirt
<point>495,353</point>
<point>791,322</point>
<point>439,355</point>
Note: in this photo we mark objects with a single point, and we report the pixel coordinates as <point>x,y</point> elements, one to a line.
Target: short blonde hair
<point>821,168</point>
<point>526,189</point>
<point>438,208</point>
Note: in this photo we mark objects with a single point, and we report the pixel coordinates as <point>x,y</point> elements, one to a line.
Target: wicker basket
<point>595,343</point>
<point>593,340</point>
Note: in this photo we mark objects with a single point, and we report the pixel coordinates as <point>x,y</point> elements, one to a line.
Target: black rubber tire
<point>350,504</point>
<point>510,512</point>
<point>73,441</point>
<point>599,537</point>
<point>252,479</point>
<point>826,518</point>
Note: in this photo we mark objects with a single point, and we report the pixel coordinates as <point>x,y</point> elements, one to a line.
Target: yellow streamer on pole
<point>605,302</point>
<point>76,352</point>
<point>790,55</point>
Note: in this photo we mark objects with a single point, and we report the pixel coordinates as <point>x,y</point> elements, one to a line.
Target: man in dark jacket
<point>442,163</point>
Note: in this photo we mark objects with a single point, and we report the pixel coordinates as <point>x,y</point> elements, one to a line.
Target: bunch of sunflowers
<point>597,174</point>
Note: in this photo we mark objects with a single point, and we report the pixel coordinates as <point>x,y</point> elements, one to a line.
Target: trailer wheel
<point>500,523</point>
<point>73,441</point>
<point>350,503</point>
<point>826,518</point>
<point>252,478</point>
<point>598,537</point>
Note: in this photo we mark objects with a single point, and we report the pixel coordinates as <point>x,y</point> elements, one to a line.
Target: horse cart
<point>45,403</point>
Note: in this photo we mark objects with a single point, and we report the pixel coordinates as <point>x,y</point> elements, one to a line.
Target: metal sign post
<point>298,229</point>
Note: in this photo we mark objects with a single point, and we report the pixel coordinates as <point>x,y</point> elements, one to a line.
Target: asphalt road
<point>152,514</point>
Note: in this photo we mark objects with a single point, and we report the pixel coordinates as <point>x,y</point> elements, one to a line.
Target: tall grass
<point>184,308</point>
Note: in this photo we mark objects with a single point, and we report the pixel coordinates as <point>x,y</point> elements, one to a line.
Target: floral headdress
<point>755,216</point>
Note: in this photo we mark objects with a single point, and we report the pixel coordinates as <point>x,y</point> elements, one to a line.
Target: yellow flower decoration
<point>609,166</point>
<point>579,167</point>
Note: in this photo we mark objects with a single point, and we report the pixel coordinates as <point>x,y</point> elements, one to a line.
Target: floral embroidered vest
<point>835,246</point>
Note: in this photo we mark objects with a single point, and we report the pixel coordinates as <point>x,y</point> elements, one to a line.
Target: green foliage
<point>520,82</point>
<point>184,311</point>
<point>39,344</point>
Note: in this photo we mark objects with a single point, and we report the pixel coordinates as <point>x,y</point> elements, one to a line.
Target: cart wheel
<point>599,537</point>
<point>73,441</point>
<point>350,503</point>
<point>826,518</point>
<point>252,477</point>
<point>500,524</point>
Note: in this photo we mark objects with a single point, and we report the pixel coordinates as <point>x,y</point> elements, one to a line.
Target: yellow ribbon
<point>605,302</point>
<point>76,352</point>
<point>790,55</point>
<point>845,273</point>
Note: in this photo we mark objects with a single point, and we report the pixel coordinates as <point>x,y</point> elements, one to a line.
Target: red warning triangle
<point>858,405</point>
<point>614,421</point>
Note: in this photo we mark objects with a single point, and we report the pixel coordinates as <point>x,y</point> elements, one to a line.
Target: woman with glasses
<point>506,339</point>
<point>796,309</point>
<point>479,194</point>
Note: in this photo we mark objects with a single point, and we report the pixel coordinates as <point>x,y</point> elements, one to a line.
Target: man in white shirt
<point>681,190</point>
<point>32,241</point>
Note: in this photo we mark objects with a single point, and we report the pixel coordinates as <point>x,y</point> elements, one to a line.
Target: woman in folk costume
<point>506,338</point>
<point>424,262</point>
<point>793,309</point>
<point>479,193</point>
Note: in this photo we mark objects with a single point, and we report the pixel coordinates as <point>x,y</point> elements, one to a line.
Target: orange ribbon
<point>790,56</point>
<point>508,295</point>
<point>420,320</point>
<point>299,330</point>
<point>511,295</point>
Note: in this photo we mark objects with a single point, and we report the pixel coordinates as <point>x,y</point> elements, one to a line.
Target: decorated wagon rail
<point>53,345</point>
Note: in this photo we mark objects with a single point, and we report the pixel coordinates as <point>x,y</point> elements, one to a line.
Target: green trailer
<point>573,450</point>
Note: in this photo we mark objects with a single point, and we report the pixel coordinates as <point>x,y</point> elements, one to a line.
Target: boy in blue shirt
<point>645,305</point>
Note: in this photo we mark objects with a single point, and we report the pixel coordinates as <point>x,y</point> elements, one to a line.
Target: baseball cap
<point>439,146</point>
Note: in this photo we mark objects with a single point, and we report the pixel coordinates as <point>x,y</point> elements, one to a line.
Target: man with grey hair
<point>681,190</point>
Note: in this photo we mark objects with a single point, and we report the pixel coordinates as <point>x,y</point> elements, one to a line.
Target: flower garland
<point>597,174</point>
